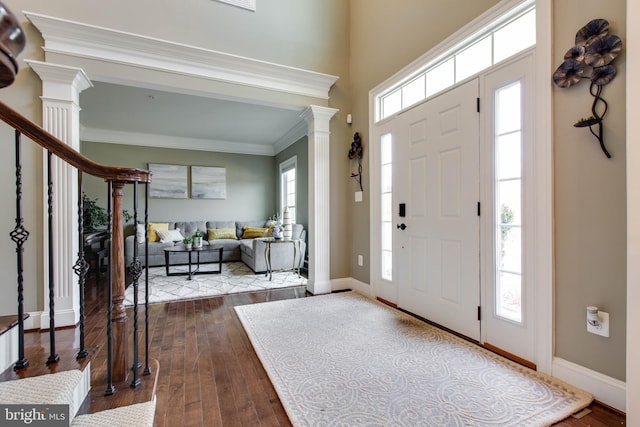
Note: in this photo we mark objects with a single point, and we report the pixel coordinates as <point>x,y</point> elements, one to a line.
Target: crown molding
<point>292,136</point>
<point>80,40</point>
<point>165,141</point>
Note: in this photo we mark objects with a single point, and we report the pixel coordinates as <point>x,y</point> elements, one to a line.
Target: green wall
<point>251,182</point>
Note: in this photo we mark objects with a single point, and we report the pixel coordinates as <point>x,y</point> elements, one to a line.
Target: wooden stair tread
<point>37,357</point>
<point>10,321</point>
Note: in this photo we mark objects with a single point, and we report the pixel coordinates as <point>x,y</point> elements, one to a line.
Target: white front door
<point>436,187</point>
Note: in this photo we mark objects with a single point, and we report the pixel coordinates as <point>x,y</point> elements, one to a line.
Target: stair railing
<point>116,178</point>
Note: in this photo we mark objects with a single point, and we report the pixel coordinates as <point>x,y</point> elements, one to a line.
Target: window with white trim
<point>507,140</point>
<point>288,187</point>
<point>386,206</point>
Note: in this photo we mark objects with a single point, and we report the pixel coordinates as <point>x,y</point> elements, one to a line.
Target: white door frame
<point>542,172</point>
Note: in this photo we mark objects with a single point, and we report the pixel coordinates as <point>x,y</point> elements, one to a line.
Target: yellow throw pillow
<point>153,236</point>
<point>253,232</point>
<point>221,233</point>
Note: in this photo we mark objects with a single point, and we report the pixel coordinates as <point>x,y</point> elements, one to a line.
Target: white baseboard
<point>350,283</point>
<point>605,389</point>
<point>64,317</point>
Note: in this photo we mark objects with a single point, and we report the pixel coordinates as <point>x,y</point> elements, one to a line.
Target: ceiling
<point>124,109</point>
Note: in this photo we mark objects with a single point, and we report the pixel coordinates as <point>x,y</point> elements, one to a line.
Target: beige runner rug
<point>345,360</point>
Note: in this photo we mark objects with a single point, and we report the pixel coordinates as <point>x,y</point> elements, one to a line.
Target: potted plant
<point>95,216</point>
<point>197,239</point>
<point>188,243</point>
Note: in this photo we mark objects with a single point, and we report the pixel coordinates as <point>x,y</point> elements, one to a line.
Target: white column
<point>61,87</point>
<point>318,119</point>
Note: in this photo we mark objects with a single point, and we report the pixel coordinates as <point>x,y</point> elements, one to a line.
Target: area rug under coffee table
<point>345,360</point>
<point>235,277</point>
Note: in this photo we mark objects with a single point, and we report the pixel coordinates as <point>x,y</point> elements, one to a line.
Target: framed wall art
<point>208,182</point>
<point>168,181</point>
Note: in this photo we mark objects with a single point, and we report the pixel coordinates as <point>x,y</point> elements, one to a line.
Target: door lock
<point>401,226</point>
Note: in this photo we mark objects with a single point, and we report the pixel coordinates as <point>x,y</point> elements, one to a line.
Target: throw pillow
<point>221,233</point>
<point>167,236</point>
<point>153,236</point>
<point>140,233</point>
<point>253,232</point>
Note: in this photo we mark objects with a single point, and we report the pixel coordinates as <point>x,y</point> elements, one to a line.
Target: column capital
<point>60,82</point>
<point>318,117</point>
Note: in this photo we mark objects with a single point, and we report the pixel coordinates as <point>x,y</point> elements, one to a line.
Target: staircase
<point>115,393</point>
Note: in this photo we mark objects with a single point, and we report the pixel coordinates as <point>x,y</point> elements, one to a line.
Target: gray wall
<point>590,202</point>
<point>300,150</point>
<point>251,182</point>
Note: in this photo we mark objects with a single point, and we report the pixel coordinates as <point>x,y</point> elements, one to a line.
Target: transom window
<point>506,37</point>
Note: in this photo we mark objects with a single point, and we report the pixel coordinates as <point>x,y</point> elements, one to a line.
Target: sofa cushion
<point>296,231</point>
<point>220,224</point>
<point>189,227</point>
<point>153,226</point>
<point>246,247</point>
<point>221,233</point>
<point>253,232</point>
<point>170,235</point>
<point>241,224</point>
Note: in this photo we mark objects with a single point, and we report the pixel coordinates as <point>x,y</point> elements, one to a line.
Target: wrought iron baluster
<point>135,271</point>
<point>81,267</point>
<point>53,356</point>
<point>147,369</point>
<point>110,388</point>
<point>19,235</point>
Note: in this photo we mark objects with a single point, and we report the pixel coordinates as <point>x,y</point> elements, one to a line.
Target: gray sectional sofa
<point>250,251</point>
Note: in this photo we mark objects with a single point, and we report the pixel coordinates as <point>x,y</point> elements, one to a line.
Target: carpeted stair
<point>71,388</point>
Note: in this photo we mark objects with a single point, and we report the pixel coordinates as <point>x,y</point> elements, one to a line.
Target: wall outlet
<point>602,328</point>
<point>358,196</point>
<point>360,260</point>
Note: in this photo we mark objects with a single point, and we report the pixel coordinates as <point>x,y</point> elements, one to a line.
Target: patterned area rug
<point>345,360</point>
<point>236,277</point>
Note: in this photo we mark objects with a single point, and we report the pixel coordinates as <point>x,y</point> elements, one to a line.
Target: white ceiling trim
<point>165,141</point>
<point>93,42</point>
<point>291,137</point>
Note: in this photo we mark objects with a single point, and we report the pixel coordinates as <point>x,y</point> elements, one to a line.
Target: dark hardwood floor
<point>209,374</point>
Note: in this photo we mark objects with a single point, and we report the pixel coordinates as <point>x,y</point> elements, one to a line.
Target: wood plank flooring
<point>209,374</point>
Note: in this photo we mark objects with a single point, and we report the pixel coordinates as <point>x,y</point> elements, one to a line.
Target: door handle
<point>401,226</point>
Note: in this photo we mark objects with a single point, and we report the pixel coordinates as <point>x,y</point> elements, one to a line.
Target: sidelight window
<point>386,205</point>
<point>508,135</point>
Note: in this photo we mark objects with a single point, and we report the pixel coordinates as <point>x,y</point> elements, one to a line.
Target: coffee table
<point>197,251</point>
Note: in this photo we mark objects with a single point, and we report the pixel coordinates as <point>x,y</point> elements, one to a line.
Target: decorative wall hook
<point>597,49</point>
<point>355,152</point>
